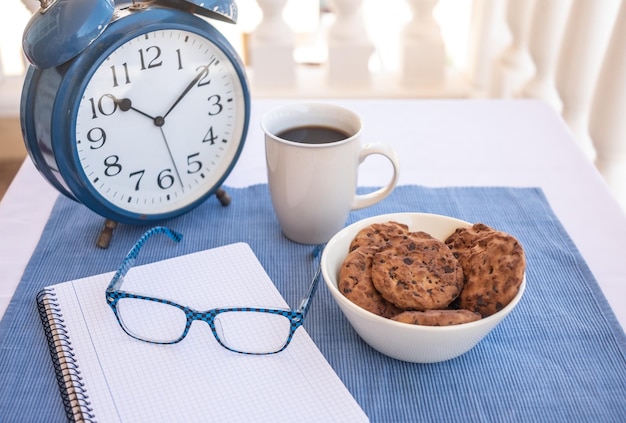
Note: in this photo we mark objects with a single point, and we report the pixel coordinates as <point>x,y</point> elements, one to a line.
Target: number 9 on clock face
<point>160,122</point>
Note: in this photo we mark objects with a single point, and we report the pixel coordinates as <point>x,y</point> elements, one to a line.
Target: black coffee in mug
<point>314,134</point>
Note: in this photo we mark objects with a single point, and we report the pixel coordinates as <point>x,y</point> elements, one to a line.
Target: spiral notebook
<point>105,375</point>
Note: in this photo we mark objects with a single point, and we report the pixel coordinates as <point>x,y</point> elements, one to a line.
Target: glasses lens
<point>151,320</point>
<point>253,332</point>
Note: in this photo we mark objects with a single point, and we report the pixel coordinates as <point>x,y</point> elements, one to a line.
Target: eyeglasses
<point>246,330</point>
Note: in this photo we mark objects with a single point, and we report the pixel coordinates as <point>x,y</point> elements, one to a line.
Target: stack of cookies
<point>415,278</point>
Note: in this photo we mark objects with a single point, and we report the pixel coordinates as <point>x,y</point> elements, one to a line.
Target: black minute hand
<point>200,74</point>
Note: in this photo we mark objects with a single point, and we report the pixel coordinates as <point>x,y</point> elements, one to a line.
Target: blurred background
<point>567,53</point>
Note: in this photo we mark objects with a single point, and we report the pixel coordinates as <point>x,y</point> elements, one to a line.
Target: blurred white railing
<point>13,17</point>
<point>569,53</point>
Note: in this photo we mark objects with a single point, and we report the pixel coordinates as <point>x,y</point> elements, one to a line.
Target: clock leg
<point>223,197</point>
<point>104,239</point>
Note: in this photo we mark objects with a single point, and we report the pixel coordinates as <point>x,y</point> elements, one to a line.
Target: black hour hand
<point>125,104</point>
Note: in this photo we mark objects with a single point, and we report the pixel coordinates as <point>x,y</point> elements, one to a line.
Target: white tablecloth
<point>518,143</point>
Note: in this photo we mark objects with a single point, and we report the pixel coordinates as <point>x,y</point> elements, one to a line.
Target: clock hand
<point>125,104</point>
<point>171,157</point>
<point>203,72</point>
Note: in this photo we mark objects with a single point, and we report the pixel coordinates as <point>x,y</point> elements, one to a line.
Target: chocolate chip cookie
<point>462,239</point>
<point>417,272</point>
<point>493,263</point>
<point>378,234</point>
<point>437,317</point>
<point>355,282</point>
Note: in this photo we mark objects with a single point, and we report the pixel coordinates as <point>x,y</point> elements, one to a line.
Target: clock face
<point>160,122</point>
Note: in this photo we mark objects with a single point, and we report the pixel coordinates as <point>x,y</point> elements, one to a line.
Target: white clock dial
<point>160,122</point>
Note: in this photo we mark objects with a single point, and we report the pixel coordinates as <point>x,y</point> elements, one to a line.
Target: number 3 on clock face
<point>160,122</point>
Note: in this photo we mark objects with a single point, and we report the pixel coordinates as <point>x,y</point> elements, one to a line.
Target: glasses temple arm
<point>306,301</point>
<point>129,261</point>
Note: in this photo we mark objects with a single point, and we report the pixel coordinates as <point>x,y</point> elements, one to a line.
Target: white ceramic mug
<point>313,186</point>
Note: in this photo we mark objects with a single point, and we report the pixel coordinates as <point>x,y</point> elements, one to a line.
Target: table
<point>519,143</point>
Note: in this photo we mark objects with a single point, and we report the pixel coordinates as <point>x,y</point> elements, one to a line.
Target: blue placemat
<point>560,356</point>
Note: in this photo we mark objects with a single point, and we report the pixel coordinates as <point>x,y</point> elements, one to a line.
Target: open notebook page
<point>197,379</point>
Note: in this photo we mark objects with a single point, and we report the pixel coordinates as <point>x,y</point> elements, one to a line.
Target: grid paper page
<point>196,379</point>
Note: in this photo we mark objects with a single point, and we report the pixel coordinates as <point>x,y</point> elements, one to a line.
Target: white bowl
<point>402,341</point>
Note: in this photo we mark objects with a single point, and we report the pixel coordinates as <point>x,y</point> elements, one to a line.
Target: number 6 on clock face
<point>144,124</point>
<point>159,121</point>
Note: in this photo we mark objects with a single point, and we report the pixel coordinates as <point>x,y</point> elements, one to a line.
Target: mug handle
<point>366,200</point>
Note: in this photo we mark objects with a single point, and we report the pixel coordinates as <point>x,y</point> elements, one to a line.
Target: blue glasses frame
<point>114,294</point>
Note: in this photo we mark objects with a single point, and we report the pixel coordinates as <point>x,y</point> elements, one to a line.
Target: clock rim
<point>78,73</point>
<point>32,104</point>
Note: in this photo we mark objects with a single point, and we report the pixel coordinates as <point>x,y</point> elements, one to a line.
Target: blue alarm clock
<point>137,110</point>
